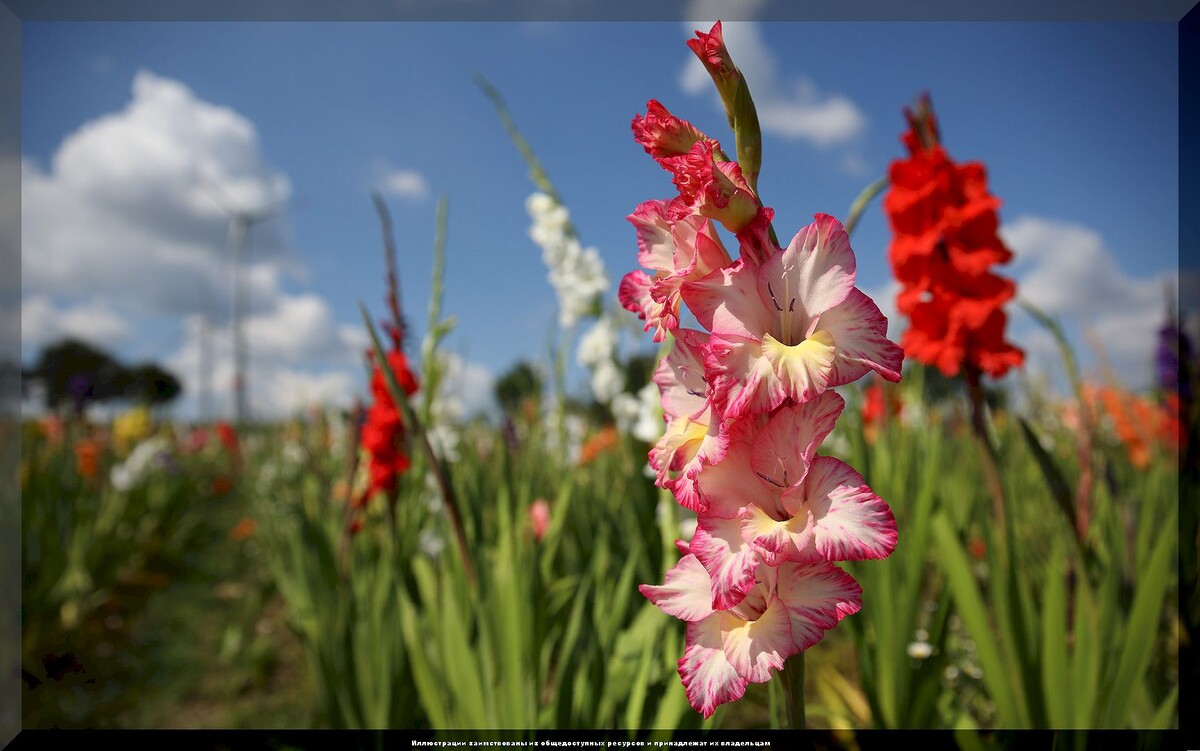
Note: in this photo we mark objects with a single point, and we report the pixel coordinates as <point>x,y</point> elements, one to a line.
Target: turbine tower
<point>241,221</point>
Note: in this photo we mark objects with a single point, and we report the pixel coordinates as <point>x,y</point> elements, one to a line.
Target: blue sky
<point>1077,122</point>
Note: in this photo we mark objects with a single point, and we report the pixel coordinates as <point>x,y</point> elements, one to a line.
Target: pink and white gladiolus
<point>747,402</point>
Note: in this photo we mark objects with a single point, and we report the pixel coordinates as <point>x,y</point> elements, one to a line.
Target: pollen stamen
<point>771,292</point>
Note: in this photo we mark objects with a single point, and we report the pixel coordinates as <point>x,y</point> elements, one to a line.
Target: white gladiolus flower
<point>639,415</point>
<point>135,467</point>
<point>576,273</point>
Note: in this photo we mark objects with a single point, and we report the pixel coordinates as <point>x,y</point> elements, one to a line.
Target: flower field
<point>782,518</point>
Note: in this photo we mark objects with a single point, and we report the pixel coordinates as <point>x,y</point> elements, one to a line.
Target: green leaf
<point>1056,686</point>
<point>969,601</point>
<point>1142,628</point>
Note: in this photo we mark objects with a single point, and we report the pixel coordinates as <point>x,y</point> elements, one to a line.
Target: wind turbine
<point>241,221</point>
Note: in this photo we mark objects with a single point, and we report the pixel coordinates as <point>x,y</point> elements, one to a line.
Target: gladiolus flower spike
<point>944,245</point>
<point>747,402</point>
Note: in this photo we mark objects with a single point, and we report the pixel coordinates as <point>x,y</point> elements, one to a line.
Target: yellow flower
<point>130,428</point>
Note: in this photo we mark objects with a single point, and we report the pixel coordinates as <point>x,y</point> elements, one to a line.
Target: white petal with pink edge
<point>730,485</point>
<point>708,677</point>
<point>775,539</point>
<point>860,342</point>
<point>813,274</point>
<point>850,522</point>
<point>680,376</point>
<point>818,595</point>
<point>727,302</point>
<point>728,559</point>
<point>743,380</point>
<point>656,246</point>
<point>757,647</point>
<point>685,592</point>
<point>785,446</point>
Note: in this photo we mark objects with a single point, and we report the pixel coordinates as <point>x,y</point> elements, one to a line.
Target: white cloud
<point>1111,317</point>
<point>793,109</point>
<point>129,208</point>
<point>129,225</point>
<point>94,321</point>
<point>404,183</point>
<point>470,384</point>
<point>277,386</point>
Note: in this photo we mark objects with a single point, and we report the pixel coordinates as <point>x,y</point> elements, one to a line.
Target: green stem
<point>860,203</point>
<point>793,690</point>
<point>991,469</point>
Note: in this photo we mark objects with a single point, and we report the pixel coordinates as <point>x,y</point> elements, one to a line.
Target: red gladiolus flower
<point>383,432</point>
<point>228,437</point>
<point>879,405</point>
<point>944,244</point>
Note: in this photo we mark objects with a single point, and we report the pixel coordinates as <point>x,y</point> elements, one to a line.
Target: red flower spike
<point>945,242</point>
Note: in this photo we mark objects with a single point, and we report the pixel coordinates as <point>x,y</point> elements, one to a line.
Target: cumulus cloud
<point>1111,317</point>
<point>469,384</point>
<point>276,387</point>
<point>93,321</point>
<point>133,205</point>
<point>129,225</point>
<point>405,184</point>
<point>790,108</point>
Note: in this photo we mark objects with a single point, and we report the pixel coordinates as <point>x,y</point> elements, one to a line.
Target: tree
<point>151,384</point>
<point>521,382</point>
<point>75,373</point>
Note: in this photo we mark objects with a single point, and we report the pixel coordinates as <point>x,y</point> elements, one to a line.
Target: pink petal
<point>776,540</point>
<point>730,484</point>
<point>656,247</point>
<point>634,295</point>
<point>755,648</point>
<point>684,592</point>
<point>850,522</point>
<point>813,274</point>
<point>743,380</point>
<point>784,447</point>
<point>860,340</point>
<point>729,560</point>
<point>708,676</point>
<point>817,595</point>
<point>680,375</point>
<point>727,302</point>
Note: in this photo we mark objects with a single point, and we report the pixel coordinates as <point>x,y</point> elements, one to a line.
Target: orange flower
<point>87,458</point>
<point>977,548</point>
<point>221,485</point>
<point>597,445</point>
<point>52,428</point>
<point>1138,422</point>
<point>243,530</point>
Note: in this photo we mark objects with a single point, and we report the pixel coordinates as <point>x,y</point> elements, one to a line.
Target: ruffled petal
<point>818,595</point>
<point>784,447</point>
<point>755,648</point>
<point>727,302</point>
<point>729,560</point>
<point>680,376</point>
<point>730,485</point>
<point>850,522</point>
<point>813,274</point>
<point>685,592</point>
<point>708,677</point>
<point>743,379</point>
<point>859,332</point>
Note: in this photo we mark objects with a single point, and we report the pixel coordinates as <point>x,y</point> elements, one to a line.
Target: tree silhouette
<point>75,373</point>
<point>515,386</point>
